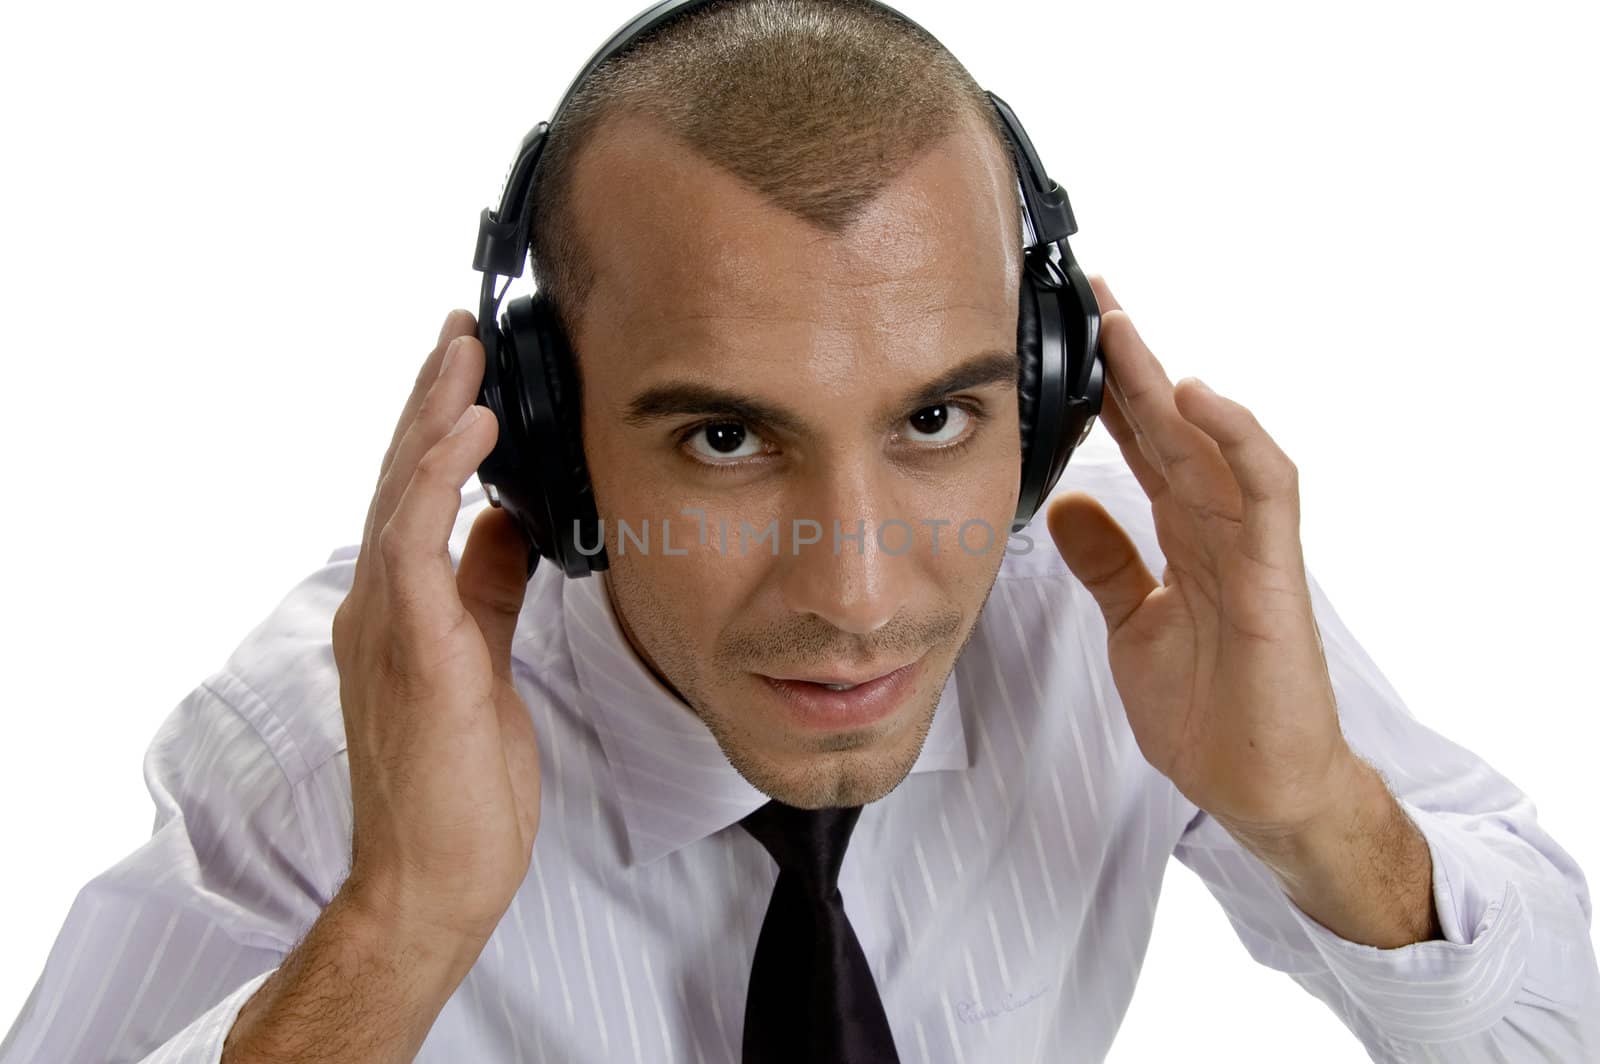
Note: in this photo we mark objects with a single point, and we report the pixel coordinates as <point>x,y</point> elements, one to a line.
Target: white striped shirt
<point>1003,893</point>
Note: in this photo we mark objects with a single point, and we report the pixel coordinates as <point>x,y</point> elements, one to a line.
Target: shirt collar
<point>673,781</point>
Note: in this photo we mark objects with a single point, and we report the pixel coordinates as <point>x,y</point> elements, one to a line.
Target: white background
<point>231,233</point>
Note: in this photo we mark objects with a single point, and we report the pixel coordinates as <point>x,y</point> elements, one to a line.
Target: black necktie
<point>812,999</point>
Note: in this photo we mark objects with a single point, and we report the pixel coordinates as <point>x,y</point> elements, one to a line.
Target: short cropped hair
<point>815,104</point>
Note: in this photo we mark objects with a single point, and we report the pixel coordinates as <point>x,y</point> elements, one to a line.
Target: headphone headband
<point>503,233</point>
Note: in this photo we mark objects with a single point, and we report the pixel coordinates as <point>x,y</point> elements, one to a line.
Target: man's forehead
<point>834,346</point>
<point>769,267</point>
<point>674,239</point>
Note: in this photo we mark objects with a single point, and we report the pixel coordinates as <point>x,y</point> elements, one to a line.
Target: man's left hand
<point>1220,665</point>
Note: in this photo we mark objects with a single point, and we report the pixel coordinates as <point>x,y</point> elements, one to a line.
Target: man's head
<point>784,240</point>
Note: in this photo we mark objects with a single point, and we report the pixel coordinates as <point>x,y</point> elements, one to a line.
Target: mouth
<point>844,679</point>
<point>839,699</point>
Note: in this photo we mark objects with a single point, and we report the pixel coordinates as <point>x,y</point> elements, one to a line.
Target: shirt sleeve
<point>158,953</point>
<point>1514,977</point>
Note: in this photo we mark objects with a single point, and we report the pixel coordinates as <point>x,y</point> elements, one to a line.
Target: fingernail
<point>449,353</point>
<point>468,416</point>
<point>1204,387</point>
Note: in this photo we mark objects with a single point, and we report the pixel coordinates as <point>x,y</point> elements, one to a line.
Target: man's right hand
<point>444,765</point>
<point>444,769</point>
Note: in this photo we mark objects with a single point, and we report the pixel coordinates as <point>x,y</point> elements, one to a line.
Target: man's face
<point>742,364</point>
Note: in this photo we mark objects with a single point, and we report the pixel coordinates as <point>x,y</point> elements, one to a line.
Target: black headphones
<point>537,471</point>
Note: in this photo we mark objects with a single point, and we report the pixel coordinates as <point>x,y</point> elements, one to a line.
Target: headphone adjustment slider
<point>500,250</point>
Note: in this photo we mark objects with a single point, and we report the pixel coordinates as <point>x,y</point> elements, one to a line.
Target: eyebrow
<point>677,398</point>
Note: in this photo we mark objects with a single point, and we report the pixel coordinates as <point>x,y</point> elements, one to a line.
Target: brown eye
<point>941,423</point>
<point>723,439</point>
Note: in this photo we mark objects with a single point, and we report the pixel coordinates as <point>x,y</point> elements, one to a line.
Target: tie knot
<point>808,843</point>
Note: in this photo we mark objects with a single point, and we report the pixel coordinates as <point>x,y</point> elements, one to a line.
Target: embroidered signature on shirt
<point>972,1012</point>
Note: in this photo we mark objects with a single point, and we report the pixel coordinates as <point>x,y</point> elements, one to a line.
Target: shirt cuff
<point>201,1041</point>
<point>1442,988</point>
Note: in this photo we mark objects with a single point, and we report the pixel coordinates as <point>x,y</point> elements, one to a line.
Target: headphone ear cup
<point>1059,387</point>
<point>1027,365</point>
<point>502,470</point>
<point>1045,320</point>
<point>573,495</point>
<point>548,483</point>
<point>1040,382</point>
<point>535,471</point>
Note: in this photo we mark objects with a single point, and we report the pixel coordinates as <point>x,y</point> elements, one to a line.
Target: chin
<point>839,769</point>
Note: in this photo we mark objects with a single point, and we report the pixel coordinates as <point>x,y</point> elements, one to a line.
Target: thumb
<point>492,579</point>
<point>1100,555</point>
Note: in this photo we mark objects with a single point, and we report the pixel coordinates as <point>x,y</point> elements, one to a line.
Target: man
<point>430,809</point>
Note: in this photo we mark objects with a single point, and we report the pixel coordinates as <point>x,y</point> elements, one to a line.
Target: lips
<point>813,705</point>
<point>828,685</point>
<point>845,677</point>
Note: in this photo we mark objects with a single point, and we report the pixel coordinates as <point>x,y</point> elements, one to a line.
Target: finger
<point>453,391</point>
<point>1139,446</point>
<point>1269,483</point>
<point>1101,555</point>
<point>457,322</point>
<point>492,581</point>
<point>1136,450</point>
<point>1187,458</point>
<point>1175,535</point>
<point>1113,417</point>
<point>1102,293</point>
<point>1141,464</point>
<point>414,541</point>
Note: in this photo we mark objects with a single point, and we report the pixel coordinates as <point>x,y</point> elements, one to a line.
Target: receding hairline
<point>816,105</point>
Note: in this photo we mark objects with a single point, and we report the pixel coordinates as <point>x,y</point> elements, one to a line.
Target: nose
<point>849,580</point>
